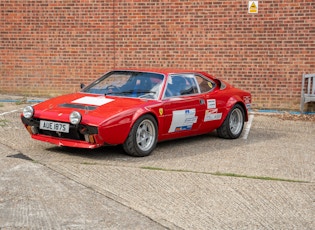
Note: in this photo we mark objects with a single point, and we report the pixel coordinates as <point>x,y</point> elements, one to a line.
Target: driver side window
<point>181,84</point>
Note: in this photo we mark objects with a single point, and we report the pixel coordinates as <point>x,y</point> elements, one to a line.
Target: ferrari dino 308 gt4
<point>138,108</point>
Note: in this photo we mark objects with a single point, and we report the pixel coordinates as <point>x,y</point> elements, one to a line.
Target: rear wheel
<point>142,138</point>
<point>233,124</point>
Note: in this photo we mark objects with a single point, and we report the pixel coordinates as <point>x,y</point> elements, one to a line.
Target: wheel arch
<point>244,108</point>
<point>236,100</point>
<point>122,124</point>
<point>141,113</point>
<point>148,138</point>
<point>232,126</point>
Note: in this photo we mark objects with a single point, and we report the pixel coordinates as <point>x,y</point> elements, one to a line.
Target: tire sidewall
<point>239,107</point>
<point>133,148</point>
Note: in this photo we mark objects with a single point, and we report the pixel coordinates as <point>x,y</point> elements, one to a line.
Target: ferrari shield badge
<point>161,111</point>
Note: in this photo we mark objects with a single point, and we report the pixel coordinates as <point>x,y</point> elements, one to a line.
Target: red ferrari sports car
<point>138,108</point>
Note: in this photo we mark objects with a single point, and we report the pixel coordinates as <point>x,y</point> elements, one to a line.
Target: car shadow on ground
<point>171,149</point>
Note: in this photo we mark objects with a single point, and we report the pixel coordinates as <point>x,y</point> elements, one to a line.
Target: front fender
<point>142,111</point>
<point>116,130</point>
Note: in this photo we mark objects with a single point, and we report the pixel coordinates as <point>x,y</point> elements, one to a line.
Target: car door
<point>214,104</point>
<point>183,108</point>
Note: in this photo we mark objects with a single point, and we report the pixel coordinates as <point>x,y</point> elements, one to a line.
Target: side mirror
<point>82,85</point>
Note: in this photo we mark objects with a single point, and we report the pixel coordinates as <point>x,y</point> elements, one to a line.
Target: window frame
<point>188,79</point>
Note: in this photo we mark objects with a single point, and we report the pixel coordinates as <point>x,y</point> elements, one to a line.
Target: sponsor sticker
<point>183,120</point>
<point>212,115</point>
<point>247,101</point>
<point>211,103</point>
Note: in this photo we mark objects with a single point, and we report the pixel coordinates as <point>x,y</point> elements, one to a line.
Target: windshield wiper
<point>143,91</point>
<point>131,92</point>
<point>122,92</point>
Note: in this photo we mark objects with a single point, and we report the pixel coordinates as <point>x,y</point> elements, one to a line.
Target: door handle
<point>202,101</point>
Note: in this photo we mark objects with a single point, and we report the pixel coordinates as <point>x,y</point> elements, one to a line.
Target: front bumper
<point>65,142</point>
<point>80,136</point>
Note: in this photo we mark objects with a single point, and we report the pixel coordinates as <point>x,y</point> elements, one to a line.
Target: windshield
<point>127,84</point>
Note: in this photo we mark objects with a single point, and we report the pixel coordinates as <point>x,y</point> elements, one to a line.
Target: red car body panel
<point>114,117</point>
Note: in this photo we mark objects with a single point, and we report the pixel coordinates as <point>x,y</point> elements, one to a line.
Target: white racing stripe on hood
<point>92,100</point>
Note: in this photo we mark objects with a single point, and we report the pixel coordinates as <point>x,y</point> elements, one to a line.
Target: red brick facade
<point>48,47</point>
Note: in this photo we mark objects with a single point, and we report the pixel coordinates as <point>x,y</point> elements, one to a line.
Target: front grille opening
<point>73,134</point>
<point>76,132</point>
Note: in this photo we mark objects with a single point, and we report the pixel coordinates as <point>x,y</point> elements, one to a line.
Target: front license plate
<point>54,126</point>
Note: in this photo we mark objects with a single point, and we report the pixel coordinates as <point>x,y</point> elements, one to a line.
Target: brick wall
<point>49,47</point>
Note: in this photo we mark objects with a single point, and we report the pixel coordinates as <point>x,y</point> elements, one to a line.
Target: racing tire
<point>233,124</point>
<point>142,137</point>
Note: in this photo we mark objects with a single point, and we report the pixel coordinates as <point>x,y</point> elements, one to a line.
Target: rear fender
<point>236,100</point>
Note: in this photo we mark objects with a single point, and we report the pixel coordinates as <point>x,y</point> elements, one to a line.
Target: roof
<point>160,70</point>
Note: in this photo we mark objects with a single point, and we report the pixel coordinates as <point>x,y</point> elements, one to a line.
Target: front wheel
<point>233,124</point>
<point>142,138</point>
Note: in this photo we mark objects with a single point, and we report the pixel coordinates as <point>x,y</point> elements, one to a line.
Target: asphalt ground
<point>263,180</point>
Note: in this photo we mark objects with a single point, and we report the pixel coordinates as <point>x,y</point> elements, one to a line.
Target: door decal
<point>211,103</point>
<point>212,115</point>
<point>183,120</point>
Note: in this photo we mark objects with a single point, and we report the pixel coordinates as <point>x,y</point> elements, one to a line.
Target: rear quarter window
<point>205,85</point>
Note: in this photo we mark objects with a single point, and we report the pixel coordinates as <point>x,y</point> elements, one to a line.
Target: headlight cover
<point>75,117</point>
<point>28,112</point>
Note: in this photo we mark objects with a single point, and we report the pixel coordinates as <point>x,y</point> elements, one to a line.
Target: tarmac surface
<point>263,180</point>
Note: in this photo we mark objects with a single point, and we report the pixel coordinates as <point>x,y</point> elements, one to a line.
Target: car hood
<point>95,109</point>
